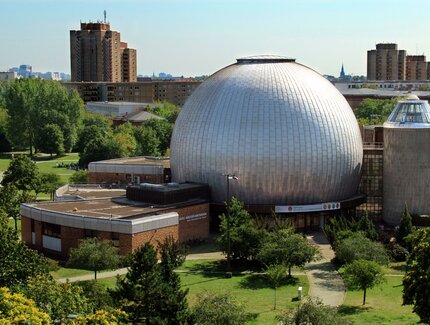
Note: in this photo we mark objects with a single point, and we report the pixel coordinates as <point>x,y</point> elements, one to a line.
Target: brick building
<point>97,54</point>
<point>134,170</point>
<point>172,91</point>
<point>56,227</point>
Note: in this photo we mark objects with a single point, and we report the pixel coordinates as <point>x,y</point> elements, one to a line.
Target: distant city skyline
<point>194,37</point>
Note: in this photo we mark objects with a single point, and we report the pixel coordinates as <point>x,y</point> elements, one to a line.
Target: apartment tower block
<point>387,62</point>
<point>97,54</point>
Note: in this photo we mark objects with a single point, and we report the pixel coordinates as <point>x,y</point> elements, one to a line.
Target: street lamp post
<point>227,202</point>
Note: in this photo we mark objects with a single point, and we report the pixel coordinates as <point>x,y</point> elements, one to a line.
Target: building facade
<point>97,54</point>
<point>416,67</point>
<point>56,227</point>
<point>386,62</point>
<point>172,91</point>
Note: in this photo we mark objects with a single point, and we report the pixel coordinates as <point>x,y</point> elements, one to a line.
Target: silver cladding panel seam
<point>285,131</point>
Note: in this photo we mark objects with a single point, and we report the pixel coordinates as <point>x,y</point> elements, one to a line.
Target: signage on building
<point>194,217</point>
<point>307,208</point>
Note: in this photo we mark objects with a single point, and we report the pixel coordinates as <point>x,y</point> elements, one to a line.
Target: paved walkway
<point>324,281</point>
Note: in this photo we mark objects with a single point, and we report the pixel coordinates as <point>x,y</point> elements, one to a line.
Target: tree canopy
<point>362,275</point>
<point>374,111</point>
<point>15,308</point>
<point>150,292</point>
<point>218,309</point>
<point>416,283</point>
<point>357,246</point>
<point>32,104</point>
<point>22,173</point>
<point>245,238</point>
<point>18,263</point>
<point>94,255</point>
<point>287,248</point>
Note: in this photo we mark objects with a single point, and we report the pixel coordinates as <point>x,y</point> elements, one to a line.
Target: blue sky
<point>195,37</point>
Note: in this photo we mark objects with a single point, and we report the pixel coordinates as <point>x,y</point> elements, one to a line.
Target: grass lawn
<point>46,164</point>
<point>64,272</point>
<point>383,305</point>
<point>251,290</point>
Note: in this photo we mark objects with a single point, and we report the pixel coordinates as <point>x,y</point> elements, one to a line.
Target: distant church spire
<point>342,73</point>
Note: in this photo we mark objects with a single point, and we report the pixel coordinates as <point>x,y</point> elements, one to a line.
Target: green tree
<point>94,255</point>
<point>147,142</point>
<point>405,229</point>
<point>357,246</point>
<point>33,103</point>
<point>167,110</point>
<point>48,183</point>
<point>175,309</point>
<point>138,293</point>
<point>245,238</point>
<point>163,130</point>
<point>218,309</point>
<point>362,275</point>
<point>18,263</point>
<point>50,139</point>
<point>93,126</point>
<point>56,299</point>
<point>416,283</point>
<point>23,173</point>
<point>10,202</point>
<point>17,309</point>
<point>80,177</point>
<point>150,292</point>
<point>98,297</point>
<point>374,111</point>
<point>287,248</point>
<point>366,226</point>
<point>312,312</point>
<point>101,148</point>
<point>125,137</point>
<point>276,274</point>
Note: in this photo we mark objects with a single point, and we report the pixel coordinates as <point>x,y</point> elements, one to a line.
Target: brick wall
<point>26,230</point>
<point>122,177</point>
<point>153,236</point>
<point>193,222</point>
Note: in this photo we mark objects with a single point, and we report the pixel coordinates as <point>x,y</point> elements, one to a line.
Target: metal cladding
<point>285,131</point>
<point>407,160</point>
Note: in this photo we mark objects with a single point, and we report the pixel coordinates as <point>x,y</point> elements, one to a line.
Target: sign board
<point>307,208</point>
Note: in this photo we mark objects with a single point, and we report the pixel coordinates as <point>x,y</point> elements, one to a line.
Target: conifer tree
<point>405,228</point>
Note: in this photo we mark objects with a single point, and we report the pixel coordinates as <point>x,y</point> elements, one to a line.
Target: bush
<point>398,253</point>
<point>218,309</point>
<point>359,247</point>
<point>97,294</point>
<point>312,312</point>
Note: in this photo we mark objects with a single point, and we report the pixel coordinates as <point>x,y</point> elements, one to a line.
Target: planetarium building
<point>285,132</point>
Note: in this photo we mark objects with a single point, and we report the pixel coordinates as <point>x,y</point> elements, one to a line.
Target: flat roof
<point>102,208</point>
<point>93,193</point>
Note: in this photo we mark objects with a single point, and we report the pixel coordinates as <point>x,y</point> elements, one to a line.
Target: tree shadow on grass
<point>217,268</point>
<point>346,310</point>
<point>259,281</point>
<point>400,267</point>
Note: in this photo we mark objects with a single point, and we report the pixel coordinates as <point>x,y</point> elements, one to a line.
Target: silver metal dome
<point>285,131</point>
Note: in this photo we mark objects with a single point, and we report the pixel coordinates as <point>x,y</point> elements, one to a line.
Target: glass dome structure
<point>411,112</point>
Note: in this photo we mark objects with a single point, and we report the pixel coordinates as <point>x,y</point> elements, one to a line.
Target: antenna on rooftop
<point>104,12</point>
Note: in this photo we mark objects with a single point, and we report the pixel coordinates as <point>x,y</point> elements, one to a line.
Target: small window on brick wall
<point>115,239</point>
<point>89,233</point>
<point>51,230</point>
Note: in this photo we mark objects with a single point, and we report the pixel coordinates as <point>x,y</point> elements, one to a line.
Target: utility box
<point>299,293</point>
